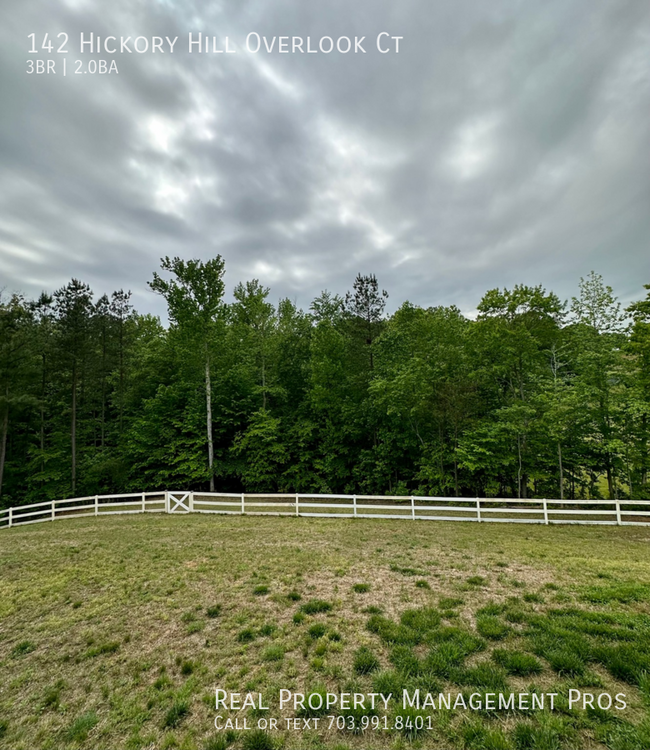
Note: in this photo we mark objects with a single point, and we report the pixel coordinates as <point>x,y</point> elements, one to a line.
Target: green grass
<point>315,606</point>
<point>273,653</point>
<point>104,648</point>
<point>317,630</point>
<point>246,635</point>
<point>517,663</point>
<point>82,726</point>
<point>491,627</point>
<point>122,644</point>
<point>257,740</point>
<point>365,661</point>
<point>24,647</point>
<point>176,714</point>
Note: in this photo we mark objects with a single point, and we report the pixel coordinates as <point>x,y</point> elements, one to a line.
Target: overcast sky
<point>507,142</point>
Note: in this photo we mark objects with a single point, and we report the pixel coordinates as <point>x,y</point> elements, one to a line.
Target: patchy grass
<point>114,632</point>
<point>315,606</point>
<point>517,663</point>
<point>365,661</point>
<point>273,653</point>
<point>82,726</point>
<point>317,630</point>
<point>491,627</point>
<point>175,715</point>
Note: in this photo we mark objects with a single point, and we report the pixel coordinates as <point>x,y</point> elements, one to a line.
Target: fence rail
<point>416,508</point>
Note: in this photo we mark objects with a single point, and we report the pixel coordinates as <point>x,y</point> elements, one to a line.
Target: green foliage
<point>524,401</point>
<point>361,588</point>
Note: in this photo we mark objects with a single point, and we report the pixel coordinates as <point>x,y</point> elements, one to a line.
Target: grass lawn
<point>115,632</point>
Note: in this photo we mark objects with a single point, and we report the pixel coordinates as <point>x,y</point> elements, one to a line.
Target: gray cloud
<point>506,143</point>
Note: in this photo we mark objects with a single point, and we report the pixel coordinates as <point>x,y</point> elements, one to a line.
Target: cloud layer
<point>507,142</point>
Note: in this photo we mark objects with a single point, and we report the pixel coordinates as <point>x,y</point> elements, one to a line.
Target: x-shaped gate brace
<point>181,503</point>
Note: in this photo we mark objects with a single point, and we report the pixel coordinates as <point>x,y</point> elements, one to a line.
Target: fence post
<point>166,501</point>
<point>545,511</point>
<point>618,512</point>
<point>96,505</point>
<point>354,505</point>
<point>191,502</point>
<point>297,513</point>
<point>11,520</point>
<point>478,509</point>
<point>412,508</point>
<point>243,510</point>
<point>52,511</point>
<point>143,502</point>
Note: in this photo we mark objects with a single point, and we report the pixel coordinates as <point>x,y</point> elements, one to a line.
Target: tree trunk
<point>103,420</point>
<point>455,459</point>
<point>519,466</point>
<point>73,428</point>
<point>121,375</point>
<point>610,480</point>
<point>208,404</point>
<point>559,458</point>
<point>3,442</point>
<point>263,383</point>
<point>644,450</point>
<point>42,410</point>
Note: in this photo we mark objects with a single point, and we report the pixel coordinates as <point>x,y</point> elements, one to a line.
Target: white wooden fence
<point>481,510</point>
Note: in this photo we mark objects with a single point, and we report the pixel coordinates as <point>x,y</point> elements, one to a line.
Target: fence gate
<point>179,502</point>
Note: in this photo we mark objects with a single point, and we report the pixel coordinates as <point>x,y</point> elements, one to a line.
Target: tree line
<point>535,397</point>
